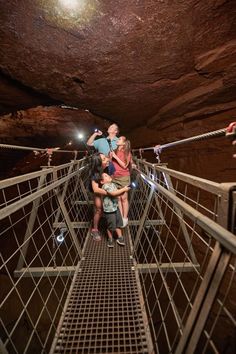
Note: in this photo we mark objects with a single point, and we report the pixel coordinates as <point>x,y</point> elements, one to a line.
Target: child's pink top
<point>120,171</point>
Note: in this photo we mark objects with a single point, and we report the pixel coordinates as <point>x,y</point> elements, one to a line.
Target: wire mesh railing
<point>183,256</point>
<point>40,250</point>
<point>186,259</point>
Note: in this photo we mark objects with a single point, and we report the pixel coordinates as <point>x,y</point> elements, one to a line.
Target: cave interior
<point>162,70</point>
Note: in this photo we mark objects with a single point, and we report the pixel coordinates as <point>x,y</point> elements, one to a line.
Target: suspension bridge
<point>171,289</point>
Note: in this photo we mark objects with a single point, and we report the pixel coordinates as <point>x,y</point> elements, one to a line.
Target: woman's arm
<point>97,189</point>
<point>120,162</point>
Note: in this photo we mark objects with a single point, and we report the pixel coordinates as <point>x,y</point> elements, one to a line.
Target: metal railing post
<point>2,348</point>
<point>64,190</point>
<point>67,219</point>
<point>143,218</point>
<point>77,182</point>
<point>30,225</point>
<point>208,301</point>
<point>227,206</point>
<point>179,214</point>
<point>198,303</point>
<point>83,189</point>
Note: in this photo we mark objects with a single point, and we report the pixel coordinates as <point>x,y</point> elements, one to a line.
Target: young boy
<point>111,209</point>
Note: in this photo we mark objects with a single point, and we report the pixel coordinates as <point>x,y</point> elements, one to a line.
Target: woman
<point>122,159</point>
<point>99,164</point>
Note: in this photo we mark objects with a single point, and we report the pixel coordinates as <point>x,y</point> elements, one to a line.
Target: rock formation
<point>163,70</point>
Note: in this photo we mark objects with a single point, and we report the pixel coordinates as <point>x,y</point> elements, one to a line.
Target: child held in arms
<point>111,210</point>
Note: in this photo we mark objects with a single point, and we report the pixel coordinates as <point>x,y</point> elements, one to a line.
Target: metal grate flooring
<point>104,312</point>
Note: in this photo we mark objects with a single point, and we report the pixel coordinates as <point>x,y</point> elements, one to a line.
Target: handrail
<point>18,147</point>
<point>204,184</point>
<point>18,179</point>
<point>226,238</point>
<point>12,208</point>
<point>217,133</point>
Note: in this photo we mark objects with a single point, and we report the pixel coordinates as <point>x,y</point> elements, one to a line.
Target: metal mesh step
<point>104,314</point>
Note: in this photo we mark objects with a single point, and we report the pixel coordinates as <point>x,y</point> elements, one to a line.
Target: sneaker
<point>95,235</point>
<point>110,243</point>
<point>125,222</point>
<point>121,241</point>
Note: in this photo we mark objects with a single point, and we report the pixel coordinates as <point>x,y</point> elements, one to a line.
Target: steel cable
<point>158,148</point>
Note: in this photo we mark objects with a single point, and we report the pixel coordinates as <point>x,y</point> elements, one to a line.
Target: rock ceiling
<point>147,65</point>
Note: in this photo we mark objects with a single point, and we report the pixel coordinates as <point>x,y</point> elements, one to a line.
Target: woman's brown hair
<point>126,148</point>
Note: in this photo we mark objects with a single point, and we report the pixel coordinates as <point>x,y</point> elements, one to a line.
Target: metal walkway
<point>170,290</point>
<point>103,314</point>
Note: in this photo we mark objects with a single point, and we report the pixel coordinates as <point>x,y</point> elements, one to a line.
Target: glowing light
<point>147,180</point>
<point>80,136</point>
<point>70,4</point>
<point>133,185</point>
<point>71,14</point>
<point>61,237</point>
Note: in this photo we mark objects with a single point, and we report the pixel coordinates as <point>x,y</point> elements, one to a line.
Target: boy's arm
<point>118,192</point>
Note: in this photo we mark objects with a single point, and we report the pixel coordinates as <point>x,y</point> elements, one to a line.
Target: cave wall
<point>54,126</point>
<point>44,127</point>
<point>163,70</point>
<point>133,62</point>
<point>211,158</point>
<point>41,124</point>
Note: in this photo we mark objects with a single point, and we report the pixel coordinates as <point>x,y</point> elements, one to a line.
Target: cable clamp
<point>49,152</point>
<point>140,154</point>
<point>157,150</point>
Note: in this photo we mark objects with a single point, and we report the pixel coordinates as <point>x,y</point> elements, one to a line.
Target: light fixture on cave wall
<point>74,14</point>
<point>73,6</point>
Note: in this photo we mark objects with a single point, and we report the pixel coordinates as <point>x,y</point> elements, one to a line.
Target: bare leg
<point>119,232</point>
<point>125,205</point>
<point>109,233</point>
<point>120,239</point>
<point>110,242</point>
<point>97,211</point>
<point>120,206</point>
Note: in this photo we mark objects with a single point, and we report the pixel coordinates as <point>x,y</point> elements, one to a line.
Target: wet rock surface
<point>160,69</point>
<point>164,70</point>
<point>131,61</point>
<point>45,127</point>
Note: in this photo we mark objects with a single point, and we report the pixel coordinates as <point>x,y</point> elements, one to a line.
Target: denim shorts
<point>114,220</point>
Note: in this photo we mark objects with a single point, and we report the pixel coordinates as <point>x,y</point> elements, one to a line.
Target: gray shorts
<point>114,220</point>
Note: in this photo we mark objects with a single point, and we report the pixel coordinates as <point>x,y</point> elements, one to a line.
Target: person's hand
<point>231,133</point>
<point>157,148</point>
<point>126,188</point>
<point>113,154</point>
<point>98,133</point>
<point>133,165</point>
<point>234,143</point>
